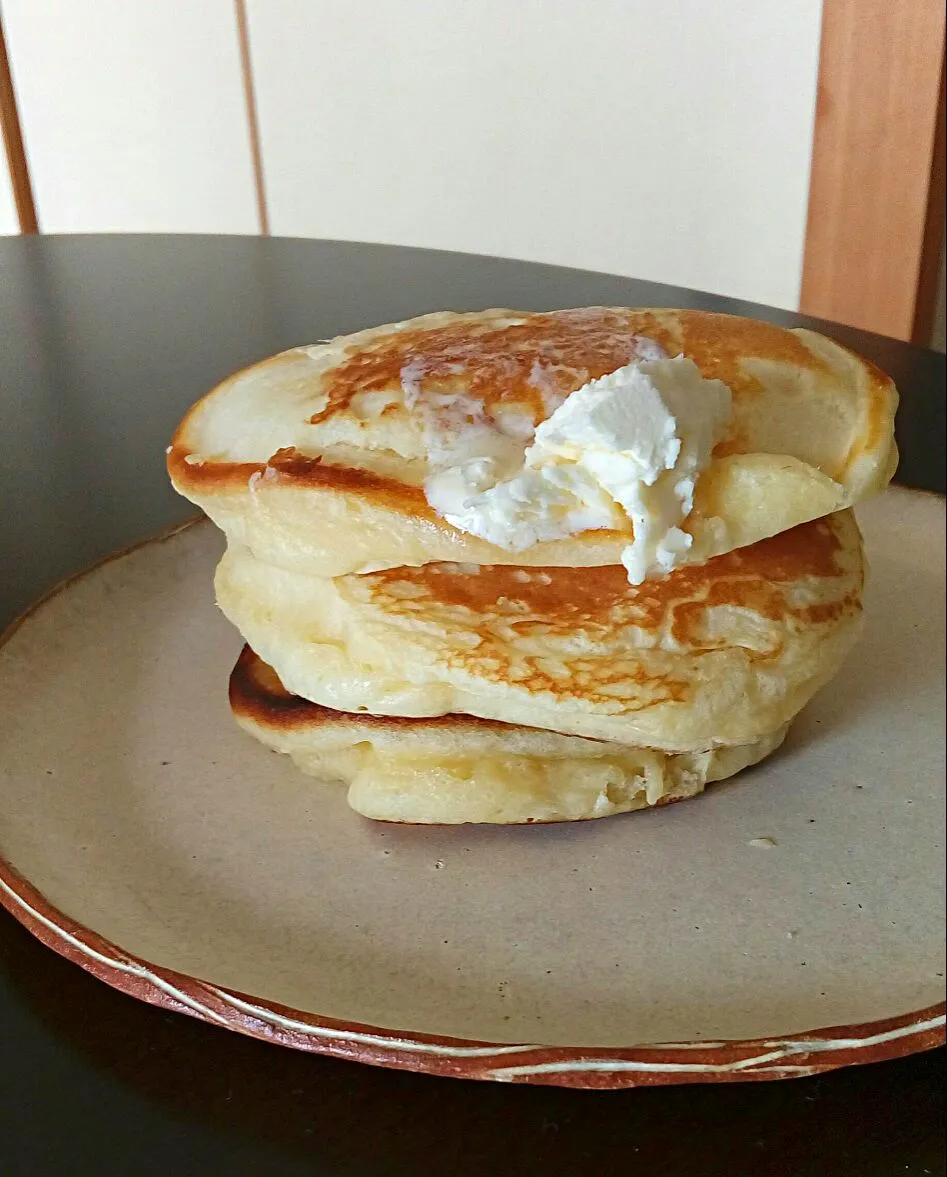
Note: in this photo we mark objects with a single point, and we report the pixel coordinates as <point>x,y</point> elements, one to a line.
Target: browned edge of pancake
<point>256,693</point>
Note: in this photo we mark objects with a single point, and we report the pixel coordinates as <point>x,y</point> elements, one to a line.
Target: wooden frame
<point>876,199</point>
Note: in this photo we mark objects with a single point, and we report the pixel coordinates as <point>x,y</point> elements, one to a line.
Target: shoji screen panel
<point>133,114</point>
<point>666,140</point>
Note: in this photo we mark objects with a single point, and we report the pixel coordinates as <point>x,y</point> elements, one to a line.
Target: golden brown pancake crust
<point>572,347</point>
<point>550,602</point>
<point>494,364</point>
<point>567,597</point>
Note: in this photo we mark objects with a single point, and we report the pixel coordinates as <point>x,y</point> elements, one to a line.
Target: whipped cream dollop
<point>628,446</point>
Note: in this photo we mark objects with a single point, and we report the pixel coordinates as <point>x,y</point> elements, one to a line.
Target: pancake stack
<point>448,679</point>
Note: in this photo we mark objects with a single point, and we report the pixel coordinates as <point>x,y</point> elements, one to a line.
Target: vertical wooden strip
<point>253,124</point>
<point>13,143</point>
<point>872,185</point>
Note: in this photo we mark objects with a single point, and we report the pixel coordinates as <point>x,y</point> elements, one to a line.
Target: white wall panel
<point>8,218</point>
<point>132,114</point>
<point>663,139</point>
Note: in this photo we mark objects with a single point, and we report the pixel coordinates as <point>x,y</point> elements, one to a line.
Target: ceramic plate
<point>150,841</point>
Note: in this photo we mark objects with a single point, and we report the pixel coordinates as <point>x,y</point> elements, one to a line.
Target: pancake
<point>457,768</point>
<point>719,654</point>
<point>315,459</point>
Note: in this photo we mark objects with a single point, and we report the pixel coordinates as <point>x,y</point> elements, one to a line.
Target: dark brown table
<point>103,343</point>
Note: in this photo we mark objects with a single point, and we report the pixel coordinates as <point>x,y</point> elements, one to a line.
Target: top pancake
<point>315,459</point>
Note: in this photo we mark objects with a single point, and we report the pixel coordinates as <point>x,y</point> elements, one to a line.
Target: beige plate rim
<point>809,1052</point>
